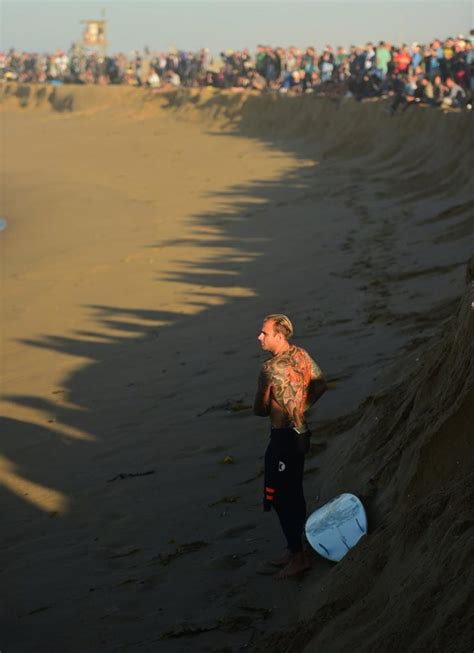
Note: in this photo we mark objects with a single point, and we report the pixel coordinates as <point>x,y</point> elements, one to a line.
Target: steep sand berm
<point>386,301</point>
<point>408,587</point>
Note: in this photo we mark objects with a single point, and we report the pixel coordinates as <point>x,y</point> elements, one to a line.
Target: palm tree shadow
<point>119,413</point>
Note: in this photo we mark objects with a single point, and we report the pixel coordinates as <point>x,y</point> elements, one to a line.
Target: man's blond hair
<point>281,324</point>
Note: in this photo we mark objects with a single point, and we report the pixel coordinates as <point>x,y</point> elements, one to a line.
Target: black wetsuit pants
<point>283,485</point>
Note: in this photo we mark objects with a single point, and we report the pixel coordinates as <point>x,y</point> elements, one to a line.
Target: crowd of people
<point>439,73</point>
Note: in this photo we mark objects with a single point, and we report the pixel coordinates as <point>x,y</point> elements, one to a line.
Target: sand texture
<point>147,235</point>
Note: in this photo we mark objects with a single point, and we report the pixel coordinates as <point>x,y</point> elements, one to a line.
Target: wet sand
<point>146,238</point>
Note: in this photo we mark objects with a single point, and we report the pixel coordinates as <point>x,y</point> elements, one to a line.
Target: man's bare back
<point>288,384</point>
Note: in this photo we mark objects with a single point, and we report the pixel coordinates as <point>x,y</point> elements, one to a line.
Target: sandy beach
<point>147,235</point>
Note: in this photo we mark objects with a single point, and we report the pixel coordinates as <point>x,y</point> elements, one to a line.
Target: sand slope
<point>147,235</point>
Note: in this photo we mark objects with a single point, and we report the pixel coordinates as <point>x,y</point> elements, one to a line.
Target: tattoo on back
<point>290,375</point>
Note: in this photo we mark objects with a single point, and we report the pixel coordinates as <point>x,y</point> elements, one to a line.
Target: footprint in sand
<point>235,531</point>
<point>226,499</point>
<point>122,552</point>
<point>231,561</point>
<point>179,551</point>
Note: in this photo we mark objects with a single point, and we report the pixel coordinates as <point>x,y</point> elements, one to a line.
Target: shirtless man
<point>289,383</point>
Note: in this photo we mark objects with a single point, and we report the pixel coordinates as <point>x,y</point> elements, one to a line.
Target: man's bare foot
<point>282,561</point>
<point>298,564</point>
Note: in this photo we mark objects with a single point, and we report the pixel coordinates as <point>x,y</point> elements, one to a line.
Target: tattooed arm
<point>262,401</point>
<point>317,385</point>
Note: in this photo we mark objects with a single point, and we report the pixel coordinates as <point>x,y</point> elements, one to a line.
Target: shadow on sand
<point>337,255</point>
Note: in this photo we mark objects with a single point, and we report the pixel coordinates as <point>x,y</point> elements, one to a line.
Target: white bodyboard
<point>335,528</point>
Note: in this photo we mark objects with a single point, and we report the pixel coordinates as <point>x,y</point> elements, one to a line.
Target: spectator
<point>369,58</point>
<point>309,65</point>
<point>439,90</point>
<point>455,96</point>
<point>417,58</point>
<point>402,60</point>
<point>383,57</point>
<point>153,79</point>
<point>326,67</point>
<point>424,92</point>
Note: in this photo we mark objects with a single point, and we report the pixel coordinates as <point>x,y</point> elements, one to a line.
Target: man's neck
<point>282,349</point>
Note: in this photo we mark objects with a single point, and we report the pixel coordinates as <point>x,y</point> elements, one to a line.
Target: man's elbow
<point>318,388</point>
<point>322,387</point>
<point>260,411</point>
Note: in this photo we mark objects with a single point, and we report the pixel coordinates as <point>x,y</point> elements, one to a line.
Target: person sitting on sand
<point>455,94</point>
<point>289,383</point>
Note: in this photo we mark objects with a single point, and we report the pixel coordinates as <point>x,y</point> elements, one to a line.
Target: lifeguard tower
<point>94,35</point>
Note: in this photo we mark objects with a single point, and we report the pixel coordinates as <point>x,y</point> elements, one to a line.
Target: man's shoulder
<point>299,352</point>
<point>267,367</point>
<point>273,367</point>
<point>305,359</point>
